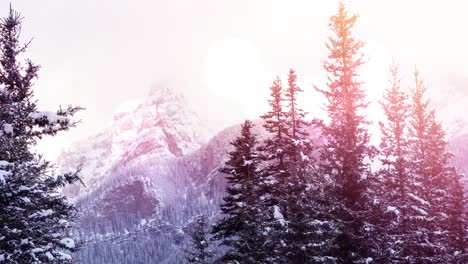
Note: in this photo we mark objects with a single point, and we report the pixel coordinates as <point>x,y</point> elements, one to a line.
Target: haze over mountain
<point>201,43</point>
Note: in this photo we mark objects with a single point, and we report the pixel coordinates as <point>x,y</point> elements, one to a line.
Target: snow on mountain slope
<point>161,126</point>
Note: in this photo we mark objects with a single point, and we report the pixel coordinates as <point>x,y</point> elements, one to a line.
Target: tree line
<point>284,204</point>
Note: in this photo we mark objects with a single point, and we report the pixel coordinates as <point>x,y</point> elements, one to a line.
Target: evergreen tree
<point>275,173</point>
<point>457,221</point>
<point>296,193</point>
<point>446,198</point>
<point>347,142</point>
<point>200,252</point>
<point>395,178</point>
<point>33,214</point>
<point>418,244</point>
<point>241,225</point>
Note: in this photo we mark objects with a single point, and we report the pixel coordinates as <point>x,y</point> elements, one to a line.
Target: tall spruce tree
<point>240,229</point>
<point>457,221</point>
<point>200,252</point>
<point>395,177</point>
<point>347,142</point>
<point>419,247</point>
<point>300,242</point>
<point>33,214</point>
<point>275,173</point>
<point>446,200</point>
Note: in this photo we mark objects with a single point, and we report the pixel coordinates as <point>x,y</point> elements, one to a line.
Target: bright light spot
<point>52,147</point>
<point>233,68</point>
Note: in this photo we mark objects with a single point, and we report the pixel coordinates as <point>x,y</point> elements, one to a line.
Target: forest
<point>306,191</point>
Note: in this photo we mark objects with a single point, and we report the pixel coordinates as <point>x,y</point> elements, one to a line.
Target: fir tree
<point>457,236</point>
<point>418,243</point>
<point>275,124</point>
<point>394,176</point>
<point>241,225</point>
<point>347,142</point>
<point>300,192</point>
<point>275,172</point>
<point>445,195</point>
<point>33,214</point>
<point>200,252</point>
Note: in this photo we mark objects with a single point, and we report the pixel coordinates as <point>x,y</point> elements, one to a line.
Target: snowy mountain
<point>160,127</point>
<point>147,176</point>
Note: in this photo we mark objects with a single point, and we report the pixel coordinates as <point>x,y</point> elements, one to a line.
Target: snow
<point>248,162</point>
<point>68,242</point>
<point>304,157</point>
<point>419,210</point>
<point>3,174</point>
<point>49,256</point>
<point>8,129</point>
<point>42,213</point>
<point>278,215</point>
<point>369,260</point>
<point>37,250</point>
<point>23,188</point>
<point>393,209</point>
<point>418,199</point>
<point>51,117</point>
<point>64,256</point>
<point>63,221</point>
<point>2,257</point>
<point>318,222</point>
<point>46,212</point>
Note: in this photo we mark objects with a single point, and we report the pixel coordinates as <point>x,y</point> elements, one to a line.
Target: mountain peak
<point>162,125</point>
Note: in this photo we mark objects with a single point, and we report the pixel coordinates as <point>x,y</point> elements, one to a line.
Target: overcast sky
<point>99,54</point>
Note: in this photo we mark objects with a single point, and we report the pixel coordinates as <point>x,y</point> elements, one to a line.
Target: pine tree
<point>200,252</point>
<point>296,192</point>
<point>446,198</point>
<point>347,142</point>
<point>457,218</point>
<point>394,176</point>
<point>240,229</point>
<point>275,173</point>
<point>33,214</point>
<point>418,244</point>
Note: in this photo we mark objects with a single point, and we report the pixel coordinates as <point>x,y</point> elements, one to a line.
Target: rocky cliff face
<point>159,127</point>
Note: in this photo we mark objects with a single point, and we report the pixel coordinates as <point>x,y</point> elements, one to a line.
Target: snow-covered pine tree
<point>240,229</point>
<point>301,192</point>
<point>457,219</point>
<point>200,252</point>
<point>275,173</point>
<point>446,198</point>
<point>394,176</point>
<point>419,247</point>
<point>347,142</point>
<point>33,214</point>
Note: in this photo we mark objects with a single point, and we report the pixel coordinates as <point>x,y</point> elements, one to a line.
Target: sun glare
<point>232,67</point>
